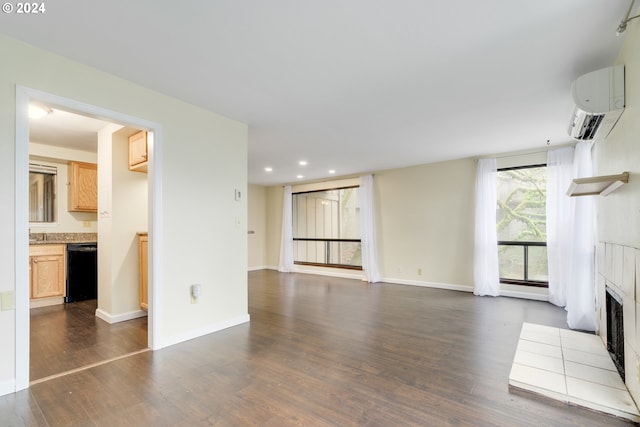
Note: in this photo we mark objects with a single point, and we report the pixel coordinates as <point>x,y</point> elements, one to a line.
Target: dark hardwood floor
<point>320,351</point>
<point>69,336</point>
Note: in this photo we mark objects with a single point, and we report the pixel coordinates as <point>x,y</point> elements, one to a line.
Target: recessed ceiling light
<point>268,169</point>
<point>302,163</point>
<point>300,176</point>
<point>332,171</point>
<point>38,111</point>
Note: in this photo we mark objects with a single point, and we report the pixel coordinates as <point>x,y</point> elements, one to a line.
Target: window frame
<point>523,243</point>
<point>42,202</point>
<point>326,240</point>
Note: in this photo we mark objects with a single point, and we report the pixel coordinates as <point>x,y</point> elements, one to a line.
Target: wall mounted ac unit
<point>599,102</point>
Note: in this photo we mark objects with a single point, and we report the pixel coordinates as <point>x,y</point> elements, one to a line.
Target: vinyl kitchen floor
<point>572,367</point>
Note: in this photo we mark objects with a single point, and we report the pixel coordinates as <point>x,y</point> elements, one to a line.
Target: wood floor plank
<point>321,351</point>
<point>69,336</point>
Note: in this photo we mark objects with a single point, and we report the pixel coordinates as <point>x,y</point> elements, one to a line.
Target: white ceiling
<point>65,129</point>
<point>355,86</point>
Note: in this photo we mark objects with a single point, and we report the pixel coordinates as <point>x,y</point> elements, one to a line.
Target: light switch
<point>7,301</point>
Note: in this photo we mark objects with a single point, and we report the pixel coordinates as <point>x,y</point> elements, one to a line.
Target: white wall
<point>119,295</point>
<point>204,158</point>
<point>129,216</point>
<point>66,222</point>
<point>425,221</point>
<point>618,215</point>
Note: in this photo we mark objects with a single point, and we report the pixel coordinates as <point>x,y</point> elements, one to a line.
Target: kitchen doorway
<point>23,313</point>
<point>79,332</point>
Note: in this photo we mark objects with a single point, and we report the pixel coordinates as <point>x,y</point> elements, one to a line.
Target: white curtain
<point>560,212</point>
<point>368,230</point>
<point>581,292</point>
<point>286,242</point>
<point>485,261</point>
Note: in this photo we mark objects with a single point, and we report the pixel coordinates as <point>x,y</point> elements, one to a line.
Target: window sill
<point>526,284</point>
<point>315,264</point>
<point>524,292</point>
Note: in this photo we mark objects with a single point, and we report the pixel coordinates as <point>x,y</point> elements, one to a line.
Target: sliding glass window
<point>326,228</point>
<point>521,225</point>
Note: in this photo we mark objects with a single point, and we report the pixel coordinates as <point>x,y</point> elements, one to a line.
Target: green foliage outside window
<point>521,212</point>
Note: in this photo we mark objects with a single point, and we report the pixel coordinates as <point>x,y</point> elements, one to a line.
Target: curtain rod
<point>321,180</point>
<point>525,152</point>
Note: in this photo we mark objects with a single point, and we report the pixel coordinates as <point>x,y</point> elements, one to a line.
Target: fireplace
<point>615,329</point>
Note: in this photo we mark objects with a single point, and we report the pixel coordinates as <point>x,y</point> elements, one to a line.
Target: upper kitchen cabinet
<point>83,187</point>
<point>138,152</point>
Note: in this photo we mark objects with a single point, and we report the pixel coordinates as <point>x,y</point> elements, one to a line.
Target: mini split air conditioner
<point>599,102</point>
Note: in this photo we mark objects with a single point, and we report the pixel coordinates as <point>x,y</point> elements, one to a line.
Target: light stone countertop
<point>62,238</point>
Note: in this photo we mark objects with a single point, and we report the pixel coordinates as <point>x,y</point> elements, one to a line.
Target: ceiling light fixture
<point>300,176</point>
<point>268,169</point>
<point>302,163</point>
<point>623,24</point>
<point>332,171</point>
<point>37,111</point>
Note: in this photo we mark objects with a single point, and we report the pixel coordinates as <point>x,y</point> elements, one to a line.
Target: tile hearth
<point>572,367</point>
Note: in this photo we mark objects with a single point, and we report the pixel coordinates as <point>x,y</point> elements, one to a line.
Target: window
<point>326,228</point>
<point>42,193</point>
<point>521,225</point>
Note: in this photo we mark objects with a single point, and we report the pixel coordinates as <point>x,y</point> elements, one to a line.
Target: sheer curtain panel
<point>560,211</point>
<point>485,261</point>
<point>368,230</point>
<point>581,292</point>
<point>286,242</point>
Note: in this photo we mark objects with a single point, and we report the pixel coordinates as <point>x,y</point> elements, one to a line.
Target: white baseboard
<point>101,314</point>
<point>436,285</point>
<point>262,267</point>
<point>206,330</point>
<point>7,387</point>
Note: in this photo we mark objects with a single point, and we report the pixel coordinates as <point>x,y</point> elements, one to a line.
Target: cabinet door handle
<point>35,260</point>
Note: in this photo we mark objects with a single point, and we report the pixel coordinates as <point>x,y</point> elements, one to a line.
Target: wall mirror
<point>42,193</point>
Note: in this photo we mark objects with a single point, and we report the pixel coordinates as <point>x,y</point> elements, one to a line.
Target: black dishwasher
<point>82,272</point>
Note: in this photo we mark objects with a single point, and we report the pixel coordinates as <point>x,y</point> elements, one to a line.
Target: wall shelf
<point>602,185</point>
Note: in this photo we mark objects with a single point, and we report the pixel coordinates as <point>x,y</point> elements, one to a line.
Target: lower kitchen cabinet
<point>48,271</point>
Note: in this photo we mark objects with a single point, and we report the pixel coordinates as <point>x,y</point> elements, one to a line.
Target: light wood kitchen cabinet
<point>48,272</point>
<point>83,187</point>
<point>138,152</point>
<point>143,243</point>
